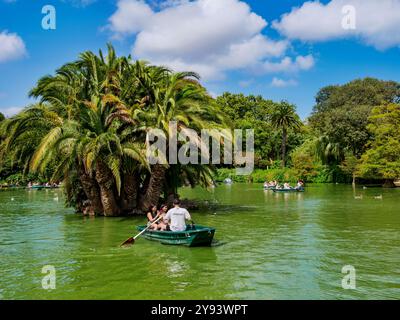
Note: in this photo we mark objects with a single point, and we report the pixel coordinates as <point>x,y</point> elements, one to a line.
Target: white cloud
<point>206,36</point>
<point>11,46</point>
<point>130,17</point>
<point>288,64</point>
<point>281,83</point>
<point>10,111</point>
<point>377,22</point>
<point>172,3</point>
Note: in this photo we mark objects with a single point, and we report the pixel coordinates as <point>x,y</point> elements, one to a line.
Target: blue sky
<point>236,48</point>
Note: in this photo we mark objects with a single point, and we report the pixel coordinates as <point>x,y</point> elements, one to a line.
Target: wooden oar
<point>131,240</point>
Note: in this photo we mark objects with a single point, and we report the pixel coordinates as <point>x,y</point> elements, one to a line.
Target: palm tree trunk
<point>92,192</point>
<point>130,192</point>
<point>154,189</point>
<point>105,180</point>
<point>389,183</point>
<point>284,142</point>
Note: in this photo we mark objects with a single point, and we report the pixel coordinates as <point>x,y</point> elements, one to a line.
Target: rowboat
<point>288,190</point>
<point>269,187</point>
<point>43,187</point>
<point>193,236</point>
<point>37,187</point>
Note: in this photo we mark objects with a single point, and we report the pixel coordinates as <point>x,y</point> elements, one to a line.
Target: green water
<point>269,246</point>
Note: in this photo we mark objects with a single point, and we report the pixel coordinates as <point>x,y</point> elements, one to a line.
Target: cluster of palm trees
<point>90,128</point>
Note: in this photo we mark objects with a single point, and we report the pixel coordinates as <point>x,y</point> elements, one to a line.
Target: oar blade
<point>128,242</point>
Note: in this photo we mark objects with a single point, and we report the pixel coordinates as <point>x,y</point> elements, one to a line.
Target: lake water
<point>268,246</point>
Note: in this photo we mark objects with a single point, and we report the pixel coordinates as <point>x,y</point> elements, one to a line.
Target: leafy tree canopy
<point>382,159</point>
<point>340,115</point>
<point>255,112</point>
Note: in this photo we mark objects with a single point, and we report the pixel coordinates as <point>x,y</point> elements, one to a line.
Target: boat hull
<point>288,190</point>
<point>201,236</point>
<point>42,187</point>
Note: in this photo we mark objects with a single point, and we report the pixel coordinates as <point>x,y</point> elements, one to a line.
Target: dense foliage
<point>90,125</point>
<point>382,159</point>
<point>89,130</point>
<point>339,124</point>
<point>277,127</point>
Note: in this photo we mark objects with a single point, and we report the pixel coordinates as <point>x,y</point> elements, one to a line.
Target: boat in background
<point>36,187</point>
<point>289,190</point>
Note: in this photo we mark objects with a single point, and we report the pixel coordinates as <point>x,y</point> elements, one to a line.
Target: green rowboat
<point>37,187</point>
<point>195,236</point>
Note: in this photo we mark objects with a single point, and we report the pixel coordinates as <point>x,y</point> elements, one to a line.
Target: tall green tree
<point>253,112</point>
<point>382,159</point>
<point>174,98</point>
<point>284,117</point>
<point>340,116</point>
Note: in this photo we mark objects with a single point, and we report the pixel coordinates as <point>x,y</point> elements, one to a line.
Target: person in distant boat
<point>176,217</point>
<point>152,216</point>
<point>266,184</point>
<point>286,185</point>
<point>300,185</point>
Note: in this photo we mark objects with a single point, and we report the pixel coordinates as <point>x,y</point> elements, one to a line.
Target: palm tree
<point>30,125</point>
<point>90,127</point>
<point>284,117</point>
<point>84,95</point>
<point>172,97</point>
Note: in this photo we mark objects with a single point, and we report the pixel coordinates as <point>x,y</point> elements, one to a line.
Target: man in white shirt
<point>177,217</point>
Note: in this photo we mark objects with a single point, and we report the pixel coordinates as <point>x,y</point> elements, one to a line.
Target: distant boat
<point>289,190</point>
<point>37,187</point>
<point>269,187</point>
<point>40,187</point>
